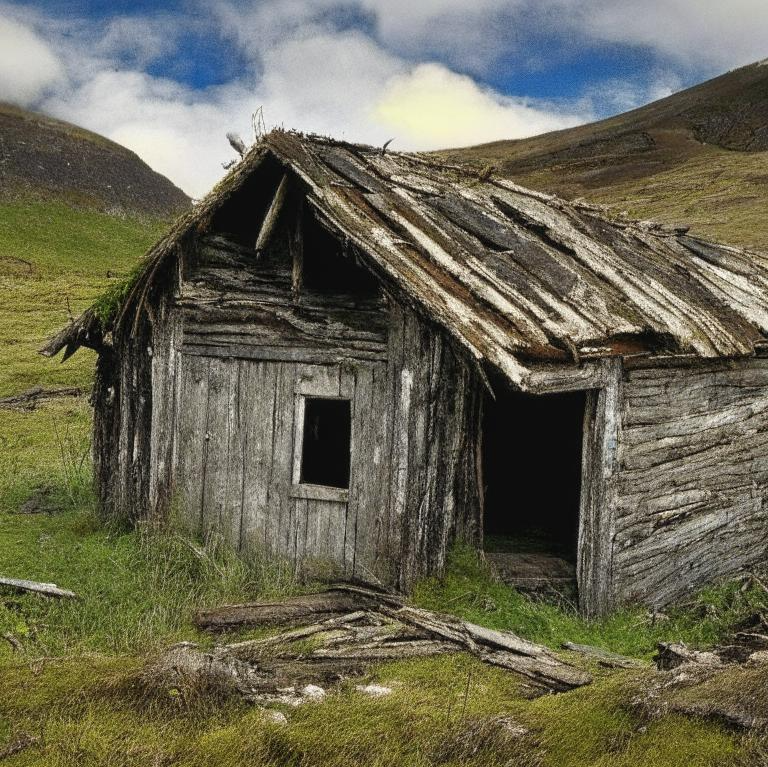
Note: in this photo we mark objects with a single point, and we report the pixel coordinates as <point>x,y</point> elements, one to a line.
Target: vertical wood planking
<point>282,521</point>
<point>192,415</point>
<point>258,404</point>
<point>217,444</point>
<point>232,512</point>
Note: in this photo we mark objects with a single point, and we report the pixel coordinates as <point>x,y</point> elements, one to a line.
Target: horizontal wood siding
<point>231,298</point>
<point>693,470</point>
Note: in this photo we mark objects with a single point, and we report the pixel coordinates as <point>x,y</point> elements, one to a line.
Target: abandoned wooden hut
<point>358,357</point>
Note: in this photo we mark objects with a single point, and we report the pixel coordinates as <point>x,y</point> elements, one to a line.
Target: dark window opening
<point>242,213</point>
<point>328,270</point>
<point>326,442</point>
<point>532,456</point>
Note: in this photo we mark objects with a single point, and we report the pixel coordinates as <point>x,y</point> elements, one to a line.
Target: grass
<point>138,591</point>
<point>468,590</point>
<point>55,261</point>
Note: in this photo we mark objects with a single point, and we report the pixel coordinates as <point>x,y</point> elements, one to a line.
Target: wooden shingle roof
<point>514,275</point>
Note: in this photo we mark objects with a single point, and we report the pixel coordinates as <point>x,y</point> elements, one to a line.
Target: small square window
<point>326,442</point>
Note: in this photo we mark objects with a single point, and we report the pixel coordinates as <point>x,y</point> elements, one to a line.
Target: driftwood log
<point>17,745</point>
<point>46,589</point>
<point>354,627</point>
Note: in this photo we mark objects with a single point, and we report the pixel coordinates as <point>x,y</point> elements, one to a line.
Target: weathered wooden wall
<point>236,354</point>
<point>134,404</point>
<point>690,487</point>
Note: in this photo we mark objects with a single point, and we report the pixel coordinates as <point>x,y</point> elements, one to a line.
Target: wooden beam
<point>46,589</point>
<point>296,247</point>
<point>555,379</point>
<point>594,570</point>
<point>273,214</point>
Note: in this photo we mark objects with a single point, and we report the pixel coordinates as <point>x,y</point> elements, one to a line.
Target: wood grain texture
<point>692,477</point>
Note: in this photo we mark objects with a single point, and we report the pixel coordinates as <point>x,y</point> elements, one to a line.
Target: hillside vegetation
<point>698,157</point>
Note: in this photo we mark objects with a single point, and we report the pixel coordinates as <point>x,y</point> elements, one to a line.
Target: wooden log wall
<point>227,411</point>
<point>231,298</point>
<point>691,502</point>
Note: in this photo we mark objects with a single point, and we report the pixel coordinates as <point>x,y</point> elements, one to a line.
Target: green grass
<point>55,259</point>
<point>468,590</point>
<point>70,687</point>
<point>443,711</point>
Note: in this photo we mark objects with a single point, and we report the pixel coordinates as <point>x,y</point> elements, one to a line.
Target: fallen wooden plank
<point>46,589</point>
<point>499,648</point>
<point>30,398</point>
<point>304,632</point>
<point>293,611</point>
<point>603,657</point>
<point>380,651</point>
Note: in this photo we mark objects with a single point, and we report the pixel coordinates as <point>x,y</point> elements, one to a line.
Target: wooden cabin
<point>353,358</point>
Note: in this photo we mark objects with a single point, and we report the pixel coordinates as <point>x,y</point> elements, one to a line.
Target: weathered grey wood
<point>216,458</point>
<point>272,216</point>
<point>319,493</point>
<point>287,612</point>
<point>594,571</point>
<point>326,356</point>
<point>192,414</point>
<point>259,531</point>
<point>552,379</point>
<point>692,477</point>
<point>46,589</point>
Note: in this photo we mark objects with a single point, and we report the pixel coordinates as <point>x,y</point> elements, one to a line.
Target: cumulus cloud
<point>431,106</point>
<point>718,35</point>
<point>361,69</point>
<point>28,66</point>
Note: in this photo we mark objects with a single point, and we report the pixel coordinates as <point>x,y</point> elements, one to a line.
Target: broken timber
<point>362,626</point>
<point>46,589</point>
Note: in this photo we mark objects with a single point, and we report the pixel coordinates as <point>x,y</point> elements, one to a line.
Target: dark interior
<point>325,448</point>
<point>327,269</point>
<point>532,448</point>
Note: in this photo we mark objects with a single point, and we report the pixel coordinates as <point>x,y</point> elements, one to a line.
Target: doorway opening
<point>532,465</point>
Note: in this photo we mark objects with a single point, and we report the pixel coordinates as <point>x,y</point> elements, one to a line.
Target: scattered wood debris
<point>20,743</point>
<point>353,628</point>
<point>13,641</point>
<point>46,589</point>
<point>29,399</point>
<point>603,657</point>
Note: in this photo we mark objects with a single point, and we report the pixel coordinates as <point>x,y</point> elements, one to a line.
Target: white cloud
<point>716,35</point>
<point>28,66</point>
<point>365,70</point>
<point>306,73</point>
<point>431,106</point>
<point>178,132</point>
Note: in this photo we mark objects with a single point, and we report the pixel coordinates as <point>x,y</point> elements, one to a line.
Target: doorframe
<point>601,380</point>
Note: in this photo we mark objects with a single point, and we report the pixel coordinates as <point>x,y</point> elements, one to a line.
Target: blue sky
<point>169,79</point>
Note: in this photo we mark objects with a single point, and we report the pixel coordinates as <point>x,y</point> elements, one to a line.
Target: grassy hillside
<point>70,670</point>
<point>699,157</point>
<point>54,261</point>
<point>50,159</point>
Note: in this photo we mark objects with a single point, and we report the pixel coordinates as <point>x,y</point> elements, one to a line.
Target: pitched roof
<point>514,275</point>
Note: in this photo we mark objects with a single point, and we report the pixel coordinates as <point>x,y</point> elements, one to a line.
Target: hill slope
<point>47,157</point>
<point>76,213</point>
<point>698,157</point>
